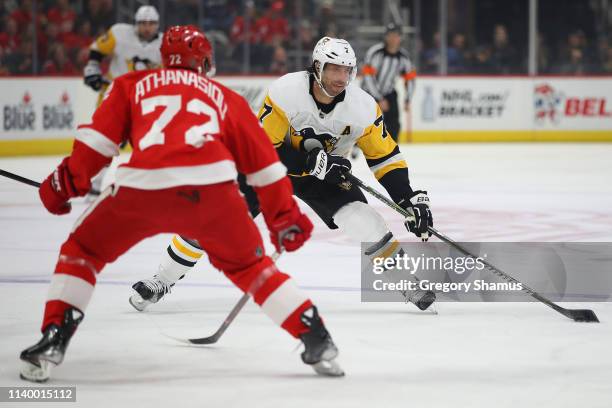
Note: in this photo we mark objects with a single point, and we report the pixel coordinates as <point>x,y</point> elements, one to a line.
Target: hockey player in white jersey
<point>314,118</point>
<point>130,48</point>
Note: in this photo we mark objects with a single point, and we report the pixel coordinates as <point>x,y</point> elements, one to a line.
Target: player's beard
<point>334,88</point>
<point>146,35</point>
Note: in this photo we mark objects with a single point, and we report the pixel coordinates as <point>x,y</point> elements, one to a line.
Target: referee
<point>384,62</point>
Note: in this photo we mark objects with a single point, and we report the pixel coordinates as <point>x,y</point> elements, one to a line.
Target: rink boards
<point>39,115</point>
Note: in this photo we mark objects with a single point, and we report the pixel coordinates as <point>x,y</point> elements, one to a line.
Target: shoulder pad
<point>289,90</point>
<point>362,103</point>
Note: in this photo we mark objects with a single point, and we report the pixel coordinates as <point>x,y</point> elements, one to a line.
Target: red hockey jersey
<point>185,129</point>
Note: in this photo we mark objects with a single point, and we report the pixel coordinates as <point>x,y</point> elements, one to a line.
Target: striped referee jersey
<point>381,69</point>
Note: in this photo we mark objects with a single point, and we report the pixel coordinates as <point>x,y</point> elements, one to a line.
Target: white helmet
<point>146,13</point>
<point>334,51</point>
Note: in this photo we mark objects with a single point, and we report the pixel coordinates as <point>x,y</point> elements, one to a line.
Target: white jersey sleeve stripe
<point>167,177</point>
<point>97,141</point>
<point>267,175</point>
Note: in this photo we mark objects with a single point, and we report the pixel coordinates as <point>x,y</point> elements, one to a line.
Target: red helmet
<point>186,47</point>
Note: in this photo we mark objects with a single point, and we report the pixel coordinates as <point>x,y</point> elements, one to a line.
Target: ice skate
<point>320,351</point>
<point>38,360</point>
<point>420,298</point>
<point>149,291</point>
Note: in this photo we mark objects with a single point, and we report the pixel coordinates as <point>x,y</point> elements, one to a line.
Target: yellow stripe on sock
<point>389,251</point>
<point>182,248</point>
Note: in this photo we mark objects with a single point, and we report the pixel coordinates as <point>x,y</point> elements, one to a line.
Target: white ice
<point>470,355</point>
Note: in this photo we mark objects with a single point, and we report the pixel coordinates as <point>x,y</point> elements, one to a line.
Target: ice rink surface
<point>469,355</point>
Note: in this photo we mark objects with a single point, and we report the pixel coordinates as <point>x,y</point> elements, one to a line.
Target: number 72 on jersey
<point>195,136</point>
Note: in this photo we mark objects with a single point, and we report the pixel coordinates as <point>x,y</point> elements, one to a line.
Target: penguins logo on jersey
<point>309,139</point>
<point>138,64</point>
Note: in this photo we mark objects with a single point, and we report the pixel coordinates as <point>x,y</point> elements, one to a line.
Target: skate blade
<point>433,309</point>
<point>138,302</point>
<point>34,373</point>
<point>328,368</point>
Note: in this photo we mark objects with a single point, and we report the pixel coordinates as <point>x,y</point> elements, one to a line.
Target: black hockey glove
<point>420,220</point>
<point>328,167</point>
<point>93,75</point>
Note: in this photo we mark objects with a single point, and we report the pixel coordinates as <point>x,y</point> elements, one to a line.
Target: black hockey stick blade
<point>217,335</point>
<point>581,315</point>
<point>228,320</point>
<point>21,179</point>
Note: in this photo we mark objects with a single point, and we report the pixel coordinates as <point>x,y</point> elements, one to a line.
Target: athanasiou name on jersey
<point>165,77</point>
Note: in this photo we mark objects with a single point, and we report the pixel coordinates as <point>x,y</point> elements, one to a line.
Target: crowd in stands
<point>575,56</point>
<point>61,34</point>
<point>267,33</point>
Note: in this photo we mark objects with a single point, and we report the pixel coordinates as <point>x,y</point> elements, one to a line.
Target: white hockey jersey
<point>128,52</point>
<point>290,115</point>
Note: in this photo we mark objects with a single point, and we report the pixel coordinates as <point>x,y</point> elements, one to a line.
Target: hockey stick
<point>578,315</point>
<point>228,320</point>
<point>19,178</point>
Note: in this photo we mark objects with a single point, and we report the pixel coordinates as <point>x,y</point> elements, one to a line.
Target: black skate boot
<point>420,298</point>
<point>320,351</point>
<point>149,291</point>
<point>49,351</point>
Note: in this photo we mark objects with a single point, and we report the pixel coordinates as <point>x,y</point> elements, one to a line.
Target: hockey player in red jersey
<point>190,136</point>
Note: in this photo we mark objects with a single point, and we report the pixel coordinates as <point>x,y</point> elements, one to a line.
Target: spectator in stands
<point>238,31</point>
<point>576,64</point>
<point>606,66</point>
<point>246,31</point>
<point>328,26</point>
<point>82,56</point>
<point>10,38</point>
<point>59,63</point>
<point>306,35</point>
<point>23,15</point>
<point>602,53</point>
<point>4,7</point>
<point>430,59</point>
<point>576,40</point>
<point>85,34</point>
<point>273,27</point>
<point>543,55</point>
<point>74,40</point>
<point>279,61</point>
<point>50,36</point>
<point>482,63</point>
<point>503,55</point>
<point>20,61</point>
<point>4,69</point>
<point>63,15</point>
<point>217,15</point>
<point>100,14</point>
<point>458,55</point>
